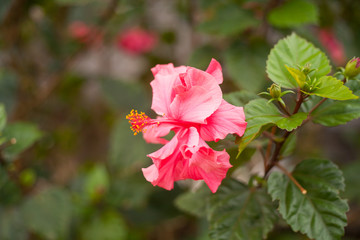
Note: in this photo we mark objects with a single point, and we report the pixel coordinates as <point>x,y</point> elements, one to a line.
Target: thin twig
<point>303,190</point>
<point>284,109</point>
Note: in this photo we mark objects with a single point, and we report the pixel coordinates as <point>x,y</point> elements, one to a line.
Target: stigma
<point>138,121</point>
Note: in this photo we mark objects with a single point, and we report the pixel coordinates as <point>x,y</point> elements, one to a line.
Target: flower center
<point>138,121</point>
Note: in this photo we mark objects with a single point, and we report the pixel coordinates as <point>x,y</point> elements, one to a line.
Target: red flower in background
<point>85,33</point>
<point>332,45</point>
<point>136,41</point>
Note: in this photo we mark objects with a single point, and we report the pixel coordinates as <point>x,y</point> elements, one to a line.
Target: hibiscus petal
<point>165,78</point>
<point>154,133</point>
<point>202,98</point>
<point>227,119</point>
<point>215,70</point>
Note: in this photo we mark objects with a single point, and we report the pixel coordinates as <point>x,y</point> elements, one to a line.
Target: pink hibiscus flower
<point>189,102</point>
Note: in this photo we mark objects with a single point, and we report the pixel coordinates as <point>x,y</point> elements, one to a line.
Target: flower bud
<point>352,68</point>
<point>275,91</point>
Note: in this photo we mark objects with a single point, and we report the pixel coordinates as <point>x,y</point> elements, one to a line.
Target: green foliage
<point>122,156</point>
<point>195,202</point>
<point>293,13</point>
<point>12,225</point>
<point>333,113</point>
<point>96,182</point>
<point>108,226</point>
<point>295,51</point>
<point>2,117</point>
<point>320,213</point>
<point>25,135</point>
<point>240,98</point>
<point>239,212</point>
<point>259,114</point>
<point>48,213</point>
<point>351,175</point>
<point>330,87</point>
<point>292,122</point>
<point>228,19</point>
<point>245,65</point>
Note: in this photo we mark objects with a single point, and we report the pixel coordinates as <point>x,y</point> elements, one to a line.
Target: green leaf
<point>25,134</point>
<point>292,122</point>
<point>293,13</point>
<point>293,51</point>
<point>298,75</point>
<point>245,64</point>
<point>228,20</point>
<point>194,202</point>
<point>124,96</point>
<point>109,226</point>
<point>201,57</point>
<point>239,212</point>
<point>330,87</point>
<point>12,225</point>
<point>352,176</point>
<point>320,213</point>
<point>48,213</point>
<point>127,152</point>
<point>333,113</point>
<point>2,117</point>
<point>260,114</point>
<point>289,146</point>
<point>240,98</point>
<point>96,182</point>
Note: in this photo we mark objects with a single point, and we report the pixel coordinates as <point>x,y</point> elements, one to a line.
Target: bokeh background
<point>70,71</point>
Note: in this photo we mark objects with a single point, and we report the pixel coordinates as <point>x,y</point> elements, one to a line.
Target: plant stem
<point>284,109</point>
<point>303,190</point>
<point>317,105</point>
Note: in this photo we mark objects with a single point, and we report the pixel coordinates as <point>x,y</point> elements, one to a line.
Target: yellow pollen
<point>138,121</point>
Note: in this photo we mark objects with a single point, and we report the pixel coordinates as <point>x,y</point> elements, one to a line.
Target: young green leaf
<point>294,51</point>
<point>238,212</point>
<point>293,13</point>
<point>298,75</point>
<point>330,87</point>
<point>320,213</point>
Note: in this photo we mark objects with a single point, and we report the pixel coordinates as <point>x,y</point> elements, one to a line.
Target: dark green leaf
<point>228,20</point>
<point>48,213</point>
<point>201,57</point>
<point>320,213</point>
<point>96,182</point>
<point>128,152</point>
<point>240,98</point>
<point>12,225</point>
<point>109,226</point>
<point>293,13</point>
<point>289,145</point>
<point>330,87</point>
<point>333,113</point>
<point>195,202</point>
<point>2,117</point>
<point>352,177</point>
<point>245,64</point>
<point>293,51</point>
<point>25,135</point>
<point>239,212</point>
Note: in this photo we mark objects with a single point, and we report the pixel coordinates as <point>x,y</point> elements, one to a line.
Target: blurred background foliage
<point>70,70</point>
